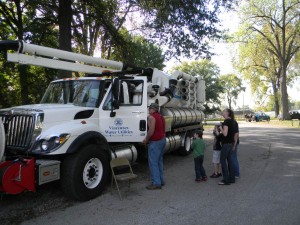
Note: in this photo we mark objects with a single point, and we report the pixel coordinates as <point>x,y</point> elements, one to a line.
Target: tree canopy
<point>277,23</point>
<point>185,26</point>
<point>232,86</point>
<point>141,53</point>
<point>261,68</point>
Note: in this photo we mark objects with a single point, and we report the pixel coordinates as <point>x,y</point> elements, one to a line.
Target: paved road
<point>267,193</point>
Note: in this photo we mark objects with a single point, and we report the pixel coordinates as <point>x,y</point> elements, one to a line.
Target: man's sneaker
<point>214,175</point>
<point>219,174</point>
<point>198,180</point>
<point>237,177</point>
<point>153,187</point>
<point>204,179</point>
<point>223,183</point>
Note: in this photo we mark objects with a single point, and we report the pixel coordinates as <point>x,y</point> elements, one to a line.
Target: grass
<point>221,119</point>
<point>273,122</point>
<point>208,127</point>
<point>281,123</point>
<point>285,123</point>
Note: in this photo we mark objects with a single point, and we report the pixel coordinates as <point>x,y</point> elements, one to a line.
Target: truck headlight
<point>50,143</point>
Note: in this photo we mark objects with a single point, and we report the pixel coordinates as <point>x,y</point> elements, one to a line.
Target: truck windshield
<point>76,92</point>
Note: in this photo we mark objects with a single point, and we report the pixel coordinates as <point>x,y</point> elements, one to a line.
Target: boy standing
<point>198,148</point>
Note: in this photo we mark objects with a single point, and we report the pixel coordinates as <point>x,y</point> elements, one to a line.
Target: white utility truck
<point>82,123</point>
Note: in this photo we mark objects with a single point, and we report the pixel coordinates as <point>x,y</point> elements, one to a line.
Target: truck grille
<point>20,128</point>
<point>19,131</point>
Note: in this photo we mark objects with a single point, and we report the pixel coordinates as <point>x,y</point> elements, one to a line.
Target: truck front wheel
<point>85,173</point>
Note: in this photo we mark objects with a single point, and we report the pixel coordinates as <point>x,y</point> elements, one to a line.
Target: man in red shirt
<point>156,137</point>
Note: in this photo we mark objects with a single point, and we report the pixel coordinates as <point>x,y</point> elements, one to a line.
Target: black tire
<point>186,148</point>
<point>73,167</point>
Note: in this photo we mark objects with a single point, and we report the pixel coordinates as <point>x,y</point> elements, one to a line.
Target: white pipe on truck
<point>71,56</point>
<point>201,91</point>
<point>181,75</point>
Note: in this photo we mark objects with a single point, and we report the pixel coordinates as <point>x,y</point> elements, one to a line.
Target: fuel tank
<point>127,151</point>
<point>182,116</point>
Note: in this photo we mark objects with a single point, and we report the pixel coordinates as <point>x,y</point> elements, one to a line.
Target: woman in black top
<point>227,131</point>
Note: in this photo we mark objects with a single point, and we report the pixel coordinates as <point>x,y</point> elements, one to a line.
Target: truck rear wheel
<point>85,173</point>
<point>186,148</point>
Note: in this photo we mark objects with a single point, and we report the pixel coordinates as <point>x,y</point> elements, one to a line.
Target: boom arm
<point>53,58</point>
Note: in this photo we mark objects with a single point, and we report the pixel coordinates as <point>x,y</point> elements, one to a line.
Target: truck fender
<point>90,137</point>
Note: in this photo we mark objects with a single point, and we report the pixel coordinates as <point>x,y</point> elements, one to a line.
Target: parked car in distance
<point>260,116</point>
<point>295,114</point>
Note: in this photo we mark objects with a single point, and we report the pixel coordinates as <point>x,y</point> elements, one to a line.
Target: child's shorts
<point>216,157</point>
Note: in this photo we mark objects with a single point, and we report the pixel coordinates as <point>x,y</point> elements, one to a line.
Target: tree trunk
<point>284,63</point>
<point>284,96</point>
<point>229,102</point>
<point>65,34</point>
<point>276,100</point>
<point>23,78</point>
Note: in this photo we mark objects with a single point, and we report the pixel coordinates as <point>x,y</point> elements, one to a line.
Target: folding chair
<point>127,176</point>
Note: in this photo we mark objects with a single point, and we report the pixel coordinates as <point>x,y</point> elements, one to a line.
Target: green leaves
<point>274,26</point>
<point>139,52</point>
<point>269,42</point>
<point>232,85</point>
<point>184,26</point>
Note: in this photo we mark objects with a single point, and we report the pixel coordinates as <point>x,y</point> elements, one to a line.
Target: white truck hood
<point>54,113</point>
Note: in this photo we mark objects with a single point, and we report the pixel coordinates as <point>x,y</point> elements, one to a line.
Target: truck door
<point>130,122</point>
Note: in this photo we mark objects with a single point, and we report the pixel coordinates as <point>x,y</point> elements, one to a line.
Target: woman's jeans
<point>235,162</point>
<point>155,161</point>
<point>227,164</point>
<point>199,169</point>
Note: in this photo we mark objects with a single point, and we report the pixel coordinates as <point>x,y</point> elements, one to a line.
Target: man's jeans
<point>227,165</point>
<point>200,171</point>
<point>235,162</point>
<point>155,160</point>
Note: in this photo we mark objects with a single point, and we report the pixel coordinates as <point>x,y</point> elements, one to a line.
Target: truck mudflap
<point>17,176</point>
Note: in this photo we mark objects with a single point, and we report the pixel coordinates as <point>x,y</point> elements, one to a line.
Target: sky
<point>224,53</point>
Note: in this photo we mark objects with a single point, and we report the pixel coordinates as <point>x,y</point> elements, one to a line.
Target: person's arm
<point>192,146</point>
<point>236,135</point>
<point>224,130</point>
<point>151,126</point>
<point>216,132</point>
<point>236,138</point>
<point>164,123</point>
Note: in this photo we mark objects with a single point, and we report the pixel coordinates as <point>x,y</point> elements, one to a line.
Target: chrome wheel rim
<point>92,173</point>
<point>188,143</point>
